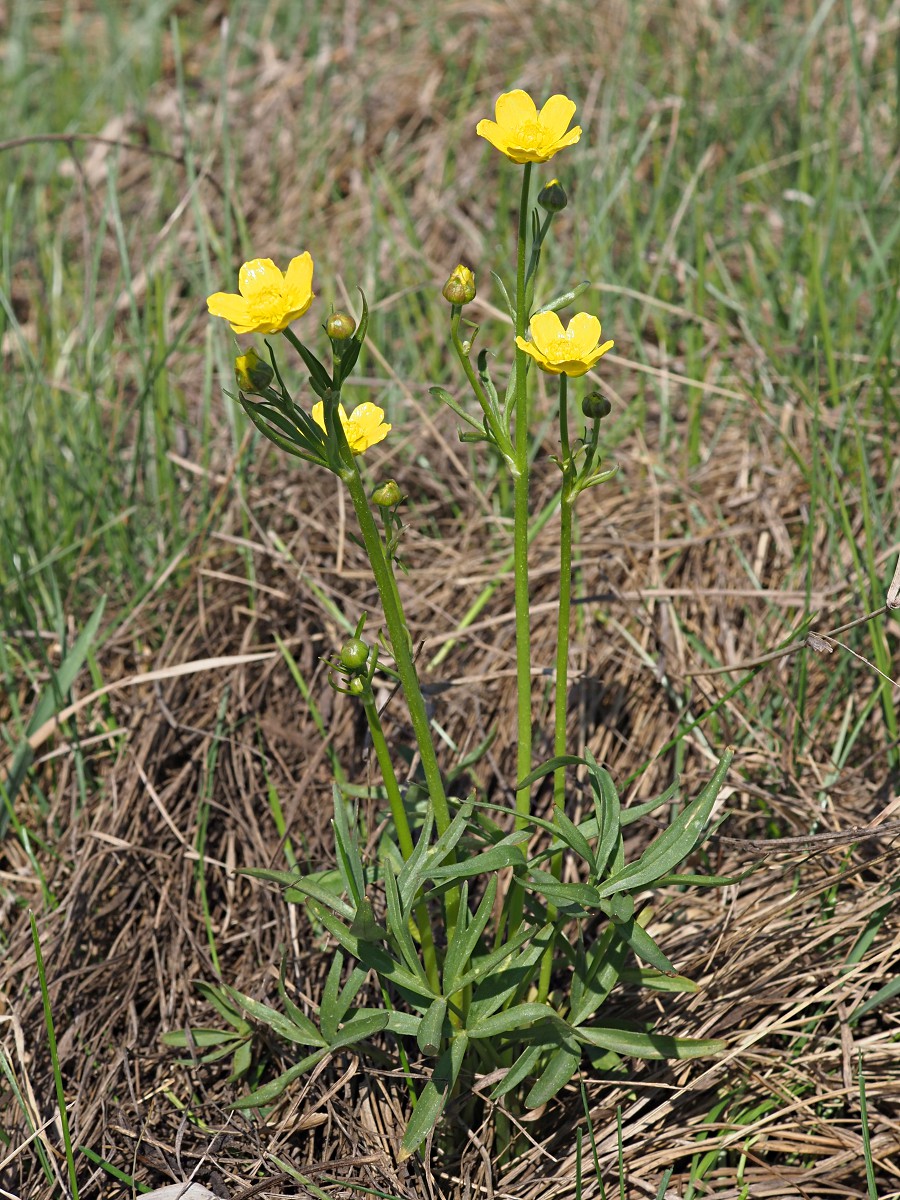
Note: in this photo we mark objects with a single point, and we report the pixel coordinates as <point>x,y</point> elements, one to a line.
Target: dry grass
<point>671,559</point>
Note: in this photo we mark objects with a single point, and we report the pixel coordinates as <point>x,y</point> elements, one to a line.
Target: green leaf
<point>419,867</point>
<point>648,1045</point>
<point>300,1019</point>
<point>505,982</point>
<point>519,1016</point>
<point>200,1037</point>
<point>608,810</point>
<point>223,1006</point>
<point>559,1070</point>
<point>636,811</point>
<point>431,1028</point>
<point>675,843</point>
<point>565,299</point>
<point>485,863</point>
<point>364,926</point>
<point>336,1001</point>
<point>444,396</point>
<point>547,768</point>
<point>346,843</point>
<point>271,1091</point>
<point>579,894</point>
<point>571,836</point>
<point>466,935</point>
<point>510,307</point>
<point>398,926</point>
<point>644,946</point>
<point>242,1062</point>
<point>521,1069</point>
<point>277,1021</point>
<point>318,376</point>
<point>361,1026</point>
<point>373,957</point>
<point>491,963</point>
<point>403,1024</point>
<point>619,908</point>
<point>657,982</point>
<point>262,417</point>
<point>597,974</point>
<point>300,888</point>
<point>433,1097</point>
<point>487,383</point>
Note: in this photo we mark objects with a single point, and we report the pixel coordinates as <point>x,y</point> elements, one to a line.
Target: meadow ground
<point>734,201</point>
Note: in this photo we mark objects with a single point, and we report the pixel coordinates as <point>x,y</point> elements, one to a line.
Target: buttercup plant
<point>486,961</point>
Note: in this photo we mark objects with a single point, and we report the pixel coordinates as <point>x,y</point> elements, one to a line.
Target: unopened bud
<point>595,406</point>
<point>460,287</point>
<point>354,654</point>
<point>252,374</point>
<point>388,494</point>
<point>552,197</point>
<point>340,326</point>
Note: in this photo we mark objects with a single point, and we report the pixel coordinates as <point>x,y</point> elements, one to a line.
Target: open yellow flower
<point>364,427</point>
<point>269,301</point>
<point>572,351</point>
<point>525,135</point>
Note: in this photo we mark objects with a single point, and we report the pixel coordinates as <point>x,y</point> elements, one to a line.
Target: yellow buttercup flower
<point>572,351</point>
<point>525,135</point>
<point>269,301</point>
<point>364,427</point>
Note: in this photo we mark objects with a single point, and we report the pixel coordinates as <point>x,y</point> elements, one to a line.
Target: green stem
<point>401,824</point>
<point>397,631</point>
<point>520,535</point>
<point>565,598</point>
<point>567,499</point>
<point>501,437</point>
<point>392,787</point>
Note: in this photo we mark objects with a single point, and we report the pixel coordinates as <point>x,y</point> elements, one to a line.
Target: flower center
<point>530,134</point>
<point>267,301</point>
<point>560,349</point>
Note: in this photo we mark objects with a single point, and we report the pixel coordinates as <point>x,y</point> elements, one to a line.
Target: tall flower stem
<point>565,596</point>
<point>567,498</point>
<point>520,535</point>
<point>391,786</point>
<point>396,625</point>
<point>401,824</point>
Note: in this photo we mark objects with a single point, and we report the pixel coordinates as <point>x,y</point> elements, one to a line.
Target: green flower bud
<point>388,494</point>
<point>356,686</point>
<point>460,287</point>
<point>340,326</point>
<point>552,197</point>
<point>354,654</point>
<point>252,374</point>
<point>595,406</point>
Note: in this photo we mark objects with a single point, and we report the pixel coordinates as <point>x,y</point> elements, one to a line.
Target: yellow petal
<point>546,328</point>
<point>573,136</point>
<point>556,115</point>
<point>259,276</point>
<point>298,283</point>
<point>584,334</point>
<point>366,427</point>
<point>532,351</point>
<point>514,109</point>
<point>232,308</point>
<point>492,132</point>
